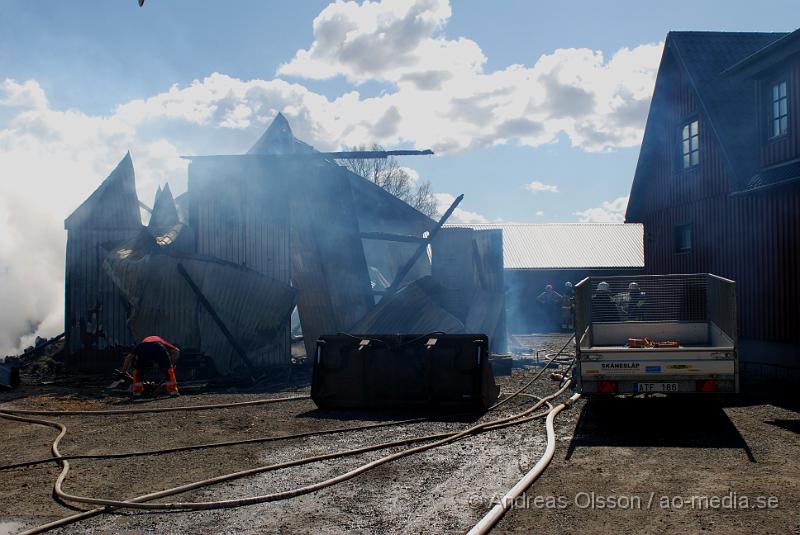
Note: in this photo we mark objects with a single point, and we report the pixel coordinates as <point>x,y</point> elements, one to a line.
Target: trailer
<point>665,334</point>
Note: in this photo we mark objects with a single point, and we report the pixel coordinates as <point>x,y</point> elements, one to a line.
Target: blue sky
<point>94,56</point>
<point>535,109</point>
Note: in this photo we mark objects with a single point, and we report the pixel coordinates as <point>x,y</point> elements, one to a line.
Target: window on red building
<point>779,109</point>
<point>690,144</point>
<point>683,238</point>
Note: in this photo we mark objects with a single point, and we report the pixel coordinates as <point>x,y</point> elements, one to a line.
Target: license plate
<point>656,387</point>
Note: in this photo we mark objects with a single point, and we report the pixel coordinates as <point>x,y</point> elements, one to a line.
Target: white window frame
<point>690,143</point>
<point>778,109</point>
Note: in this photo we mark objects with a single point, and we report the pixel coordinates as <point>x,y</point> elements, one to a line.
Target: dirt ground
<point>606,452</point>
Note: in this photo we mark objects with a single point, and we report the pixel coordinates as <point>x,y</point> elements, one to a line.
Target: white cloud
<point>539,213</point>
<point>394,40</point>
<point>537,186</point>
<point>28,94</point>
<point>438,95</point>
<point>443,202</point>
<point>608,212</point>
<point>446,100</point>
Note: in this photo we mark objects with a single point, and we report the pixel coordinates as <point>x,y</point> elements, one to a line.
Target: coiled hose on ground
<point>139,502</point>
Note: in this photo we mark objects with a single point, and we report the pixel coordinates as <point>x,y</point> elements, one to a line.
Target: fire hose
<point>210,445</point>
<point>99,412</point>
<point>137,503</point>
<point>504,504</point>
<point>520,392</point>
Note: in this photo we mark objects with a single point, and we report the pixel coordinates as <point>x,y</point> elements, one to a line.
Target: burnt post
<point>421,249</point>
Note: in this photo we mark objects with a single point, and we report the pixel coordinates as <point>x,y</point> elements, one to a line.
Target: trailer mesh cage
<point>656,298</point>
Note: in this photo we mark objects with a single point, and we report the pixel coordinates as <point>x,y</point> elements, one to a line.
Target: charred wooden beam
<point>221,324</point>
<point>49,342</point>
<point>146,208</point>
<point>421,249</point>
<point>386,236</point>
<point>336,155</point>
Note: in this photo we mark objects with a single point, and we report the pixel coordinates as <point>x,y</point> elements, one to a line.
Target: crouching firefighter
<point>153,350</point>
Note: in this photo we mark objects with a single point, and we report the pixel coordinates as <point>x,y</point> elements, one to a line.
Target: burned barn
<point>717,185</point>
<point>220,269</point>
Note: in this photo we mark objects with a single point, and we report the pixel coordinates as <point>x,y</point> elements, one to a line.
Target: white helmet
<point>603,287</point>
<point>548,288</point>
<point>633,286</point>
<point>568,285</point>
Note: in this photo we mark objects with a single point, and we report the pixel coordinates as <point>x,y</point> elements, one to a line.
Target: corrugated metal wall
<point>95,315</point>
<point>468,266</point>
<point>88,288</point>
<point>453,268</point>
<point>329,269</point>
<point>238,210</point>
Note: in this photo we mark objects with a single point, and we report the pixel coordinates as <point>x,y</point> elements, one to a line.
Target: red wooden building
<point>717,185</point>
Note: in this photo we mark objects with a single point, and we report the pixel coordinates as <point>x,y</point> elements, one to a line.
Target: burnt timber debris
<point>220,269</point>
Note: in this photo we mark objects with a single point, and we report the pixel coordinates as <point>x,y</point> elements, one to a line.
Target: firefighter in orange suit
<point>153,349</point>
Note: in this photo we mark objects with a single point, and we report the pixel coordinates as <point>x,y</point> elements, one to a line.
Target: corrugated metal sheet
<point>490,302</point>
<point>95,312</point>
<point>239,214</point>
<point>453,268</point>
<point>255,308</point>
<point>468,266</point>
<point>162,302</point>
<point>412,310</point>
<point>569,245</point>
<point>329,269</point>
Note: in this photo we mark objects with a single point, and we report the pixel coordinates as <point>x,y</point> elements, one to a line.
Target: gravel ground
<point>614,450</point>
<point>428,492</point>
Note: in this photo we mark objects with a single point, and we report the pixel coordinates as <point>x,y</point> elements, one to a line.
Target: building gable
<point>690,83</point>
<point>165,211</point>
<point>113,205</point>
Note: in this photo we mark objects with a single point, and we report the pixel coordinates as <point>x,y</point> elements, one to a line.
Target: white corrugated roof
<point>569,245</point>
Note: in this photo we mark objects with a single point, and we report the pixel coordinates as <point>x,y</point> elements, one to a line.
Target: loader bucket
<point>434,371</point>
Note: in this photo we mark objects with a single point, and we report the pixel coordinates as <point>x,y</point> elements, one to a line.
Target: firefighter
<point>549,296</point>
<point>551,301</point>
<point>568,307</point>
<point>636,302</point>
<point>150,350</point>
<point>604,306</point>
